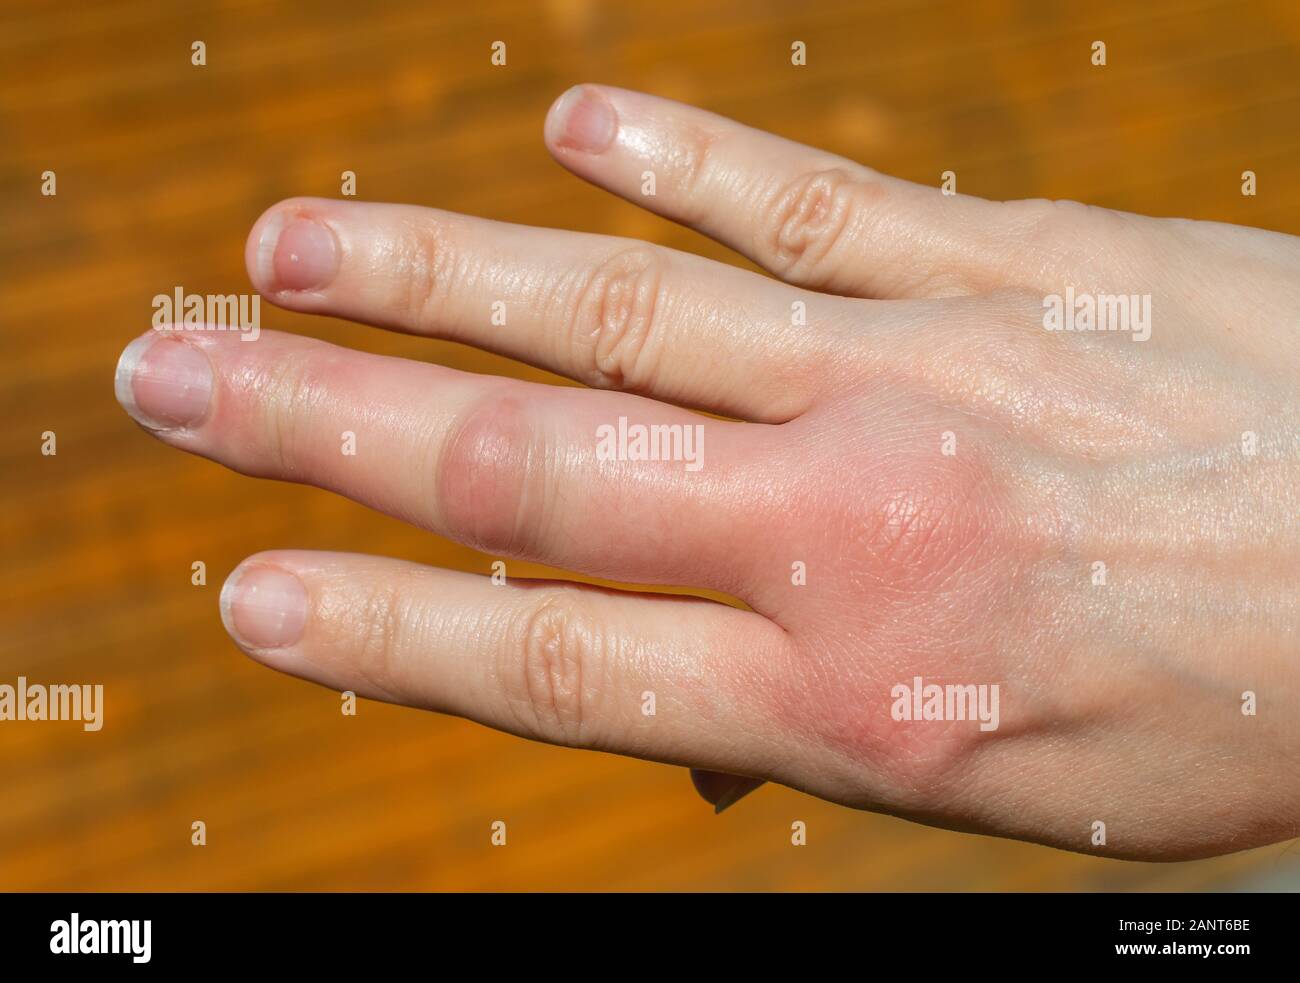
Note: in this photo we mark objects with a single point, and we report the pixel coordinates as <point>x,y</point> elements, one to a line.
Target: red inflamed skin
<point>1004,493</point>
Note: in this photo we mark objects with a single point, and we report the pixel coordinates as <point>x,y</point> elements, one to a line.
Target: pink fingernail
<point>297,254</point>
<point>264,607</point>
<point>582,119</point>
<point>164,383</point>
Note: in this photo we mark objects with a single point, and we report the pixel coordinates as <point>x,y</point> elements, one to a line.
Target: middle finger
<point>554,474</point>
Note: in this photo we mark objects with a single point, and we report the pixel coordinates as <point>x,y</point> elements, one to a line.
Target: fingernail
<point>164,383</point>
<point>296,254</point>
<point>734,794</point>
<point>264,607</point>
<point>583,120</point>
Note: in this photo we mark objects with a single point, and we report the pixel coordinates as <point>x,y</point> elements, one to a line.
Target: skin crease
<point>1120,703</point>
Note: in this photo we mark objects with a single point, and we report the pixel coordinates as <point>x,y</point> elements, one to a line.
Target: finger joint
<point>615,324</point>
<point>809,219</point>
<point>556,664</point>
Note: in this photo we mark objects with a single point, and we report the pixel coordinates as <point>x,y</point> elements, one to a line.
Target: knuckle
<point>696,151</point>
<point>291,399</point>
<point>926,526</point>
<point>925,769</point>
<point>810,216</point>
<point>1058,235</point>
<point>382,619</point>
<point>1047,224</point>
<point>422,274</point>
<point>615,332</point>
<point>910,534</point>
<point>1055,216</point>
<point>494,478</point>
<point>554,665</point>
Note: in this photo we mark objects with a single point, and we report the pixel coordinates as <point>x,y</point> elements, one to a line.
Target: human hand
<point>920,482</point>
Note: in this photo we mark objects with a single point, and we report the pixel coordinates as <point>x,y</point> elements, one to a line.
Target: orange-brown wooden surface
<point>161,169</point>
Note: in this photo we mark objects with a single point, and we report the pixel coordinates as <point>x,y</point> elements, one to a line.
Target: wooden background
<point>161,169</point>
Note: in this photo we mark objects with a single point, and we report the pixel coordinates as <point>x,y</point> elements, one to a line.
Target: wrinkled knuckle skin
<point>381,622</point>
<point>292,397</point>
<point>696,151</point>
<point>809,217</point>
<point>555,663</point>
<point>919,534</point>
<point>494,475</point>
<point>907,527</point>
<point>424,273</point>
<point>615,331</point>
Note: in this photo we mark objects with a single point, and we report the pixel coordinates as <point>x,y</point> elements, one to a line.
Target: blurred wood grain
<point>162,167</point>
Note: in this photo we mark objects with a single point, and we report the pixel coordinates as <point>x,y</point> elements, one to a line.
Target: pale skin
<point>947,471</point>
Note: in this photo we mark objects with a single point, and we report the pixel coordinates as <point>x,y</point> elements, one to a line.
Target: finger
<point>612,313</point>
<point>721,790</point>
<point>511,468</point>
<point>810,217</point>
<point>643,675</point>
